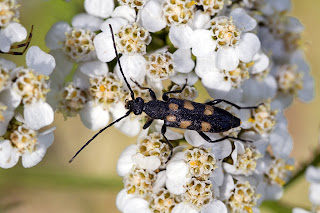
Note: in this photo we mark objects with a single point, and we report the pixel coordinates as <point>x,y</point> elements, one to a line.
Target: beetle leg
<point>214,102</point>
<point>204,136</point>
<point>148,123</point>
<point>163,131</point>
<point>152,94</point>
<point>26,45</point>
<point>165,96</point>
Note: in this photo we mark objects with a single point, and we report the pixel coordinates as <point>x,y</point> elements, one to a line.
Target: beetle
<point>178,113</point>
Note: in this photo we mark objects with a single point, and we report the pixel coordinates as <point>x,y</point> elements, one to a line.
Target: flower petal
<point>125,162</point>
<point>216,80</point>
<point>248,46</point>
<point>181,78</point>
<point>125,12</point>
<point>93,116</point>
<point>206,64</point>
<point>7,116</point>
<point>160,181</point>
<point>135,205</point>
<point>182,60</point>
<point>9,156</point>
<point>7,64</point>
<point>122,199</point>
<point>10,98</point>
<point>216,206</point>
<point>221,150</point>
<point>201,20</point>
<point>227,59</point>
<point>146,162</point>
<point>202,43</point>
<point>38,115</point>
<point>134,66</point>
<point>299,210</point>
<point>116,24</point>
<point>243,20</point>
<point>314,193</point>
<point>261,63</point>
<point>56,35</point>
<point>85,21</point>
<point>15,32</point>
<point>180,36</point>
<point>94,68</point>
<point>40,61</point>
<point>151,16</point>
<point>100,8</point>
<point>313,174</point>
<point>193,138</point>
<point>104,46</point>
<point>183,208</point>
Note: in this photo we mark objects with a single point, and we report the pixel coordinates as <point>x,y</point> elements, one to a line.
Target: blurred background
<point>90,183</point>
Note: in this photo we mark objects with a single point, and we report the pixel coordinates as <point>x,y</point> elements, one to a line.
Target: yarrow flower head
<point>201,162</point>
<point>79,44</point>
<point>132,39</point>
<point>178,11</point>
<point>242,198</point>
<point>72,100</point>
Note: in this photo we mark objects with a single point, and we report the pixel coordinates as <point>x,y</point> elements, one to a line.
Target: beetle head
<point>136,105</point>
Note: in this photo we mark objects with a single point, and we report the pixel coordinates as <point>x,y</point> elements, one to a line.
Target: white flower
<point>25,142</point>
<point>244,160</point>
<point>231,37</point>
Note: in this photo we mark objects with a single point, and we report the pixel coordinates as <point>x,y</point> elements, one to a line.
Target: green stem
<point>298,174</point>
<point>35,177</point>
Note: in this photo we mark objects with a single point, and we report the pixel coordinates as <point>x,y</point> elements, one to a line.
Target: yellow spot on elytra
<point>102,88</point>
<point>171,118</point>
<point>208,110</point>
<point>185,124</point>
<point>205,126</point>
<point>173,107</point>
<point>188,105</point>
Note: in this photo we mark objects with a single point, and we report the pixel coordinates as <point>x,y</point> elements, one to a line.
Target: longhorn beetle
<point>178,113</point>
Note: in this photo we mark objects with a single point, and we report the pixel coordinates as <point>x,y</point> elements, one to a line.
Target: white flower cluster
<point>246,52</point>
<point>23,90</point>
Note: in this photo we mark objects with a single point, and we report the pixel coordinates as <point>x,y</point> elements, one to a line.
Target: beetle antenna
<point>101,130</point>
<point>117,55</point>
